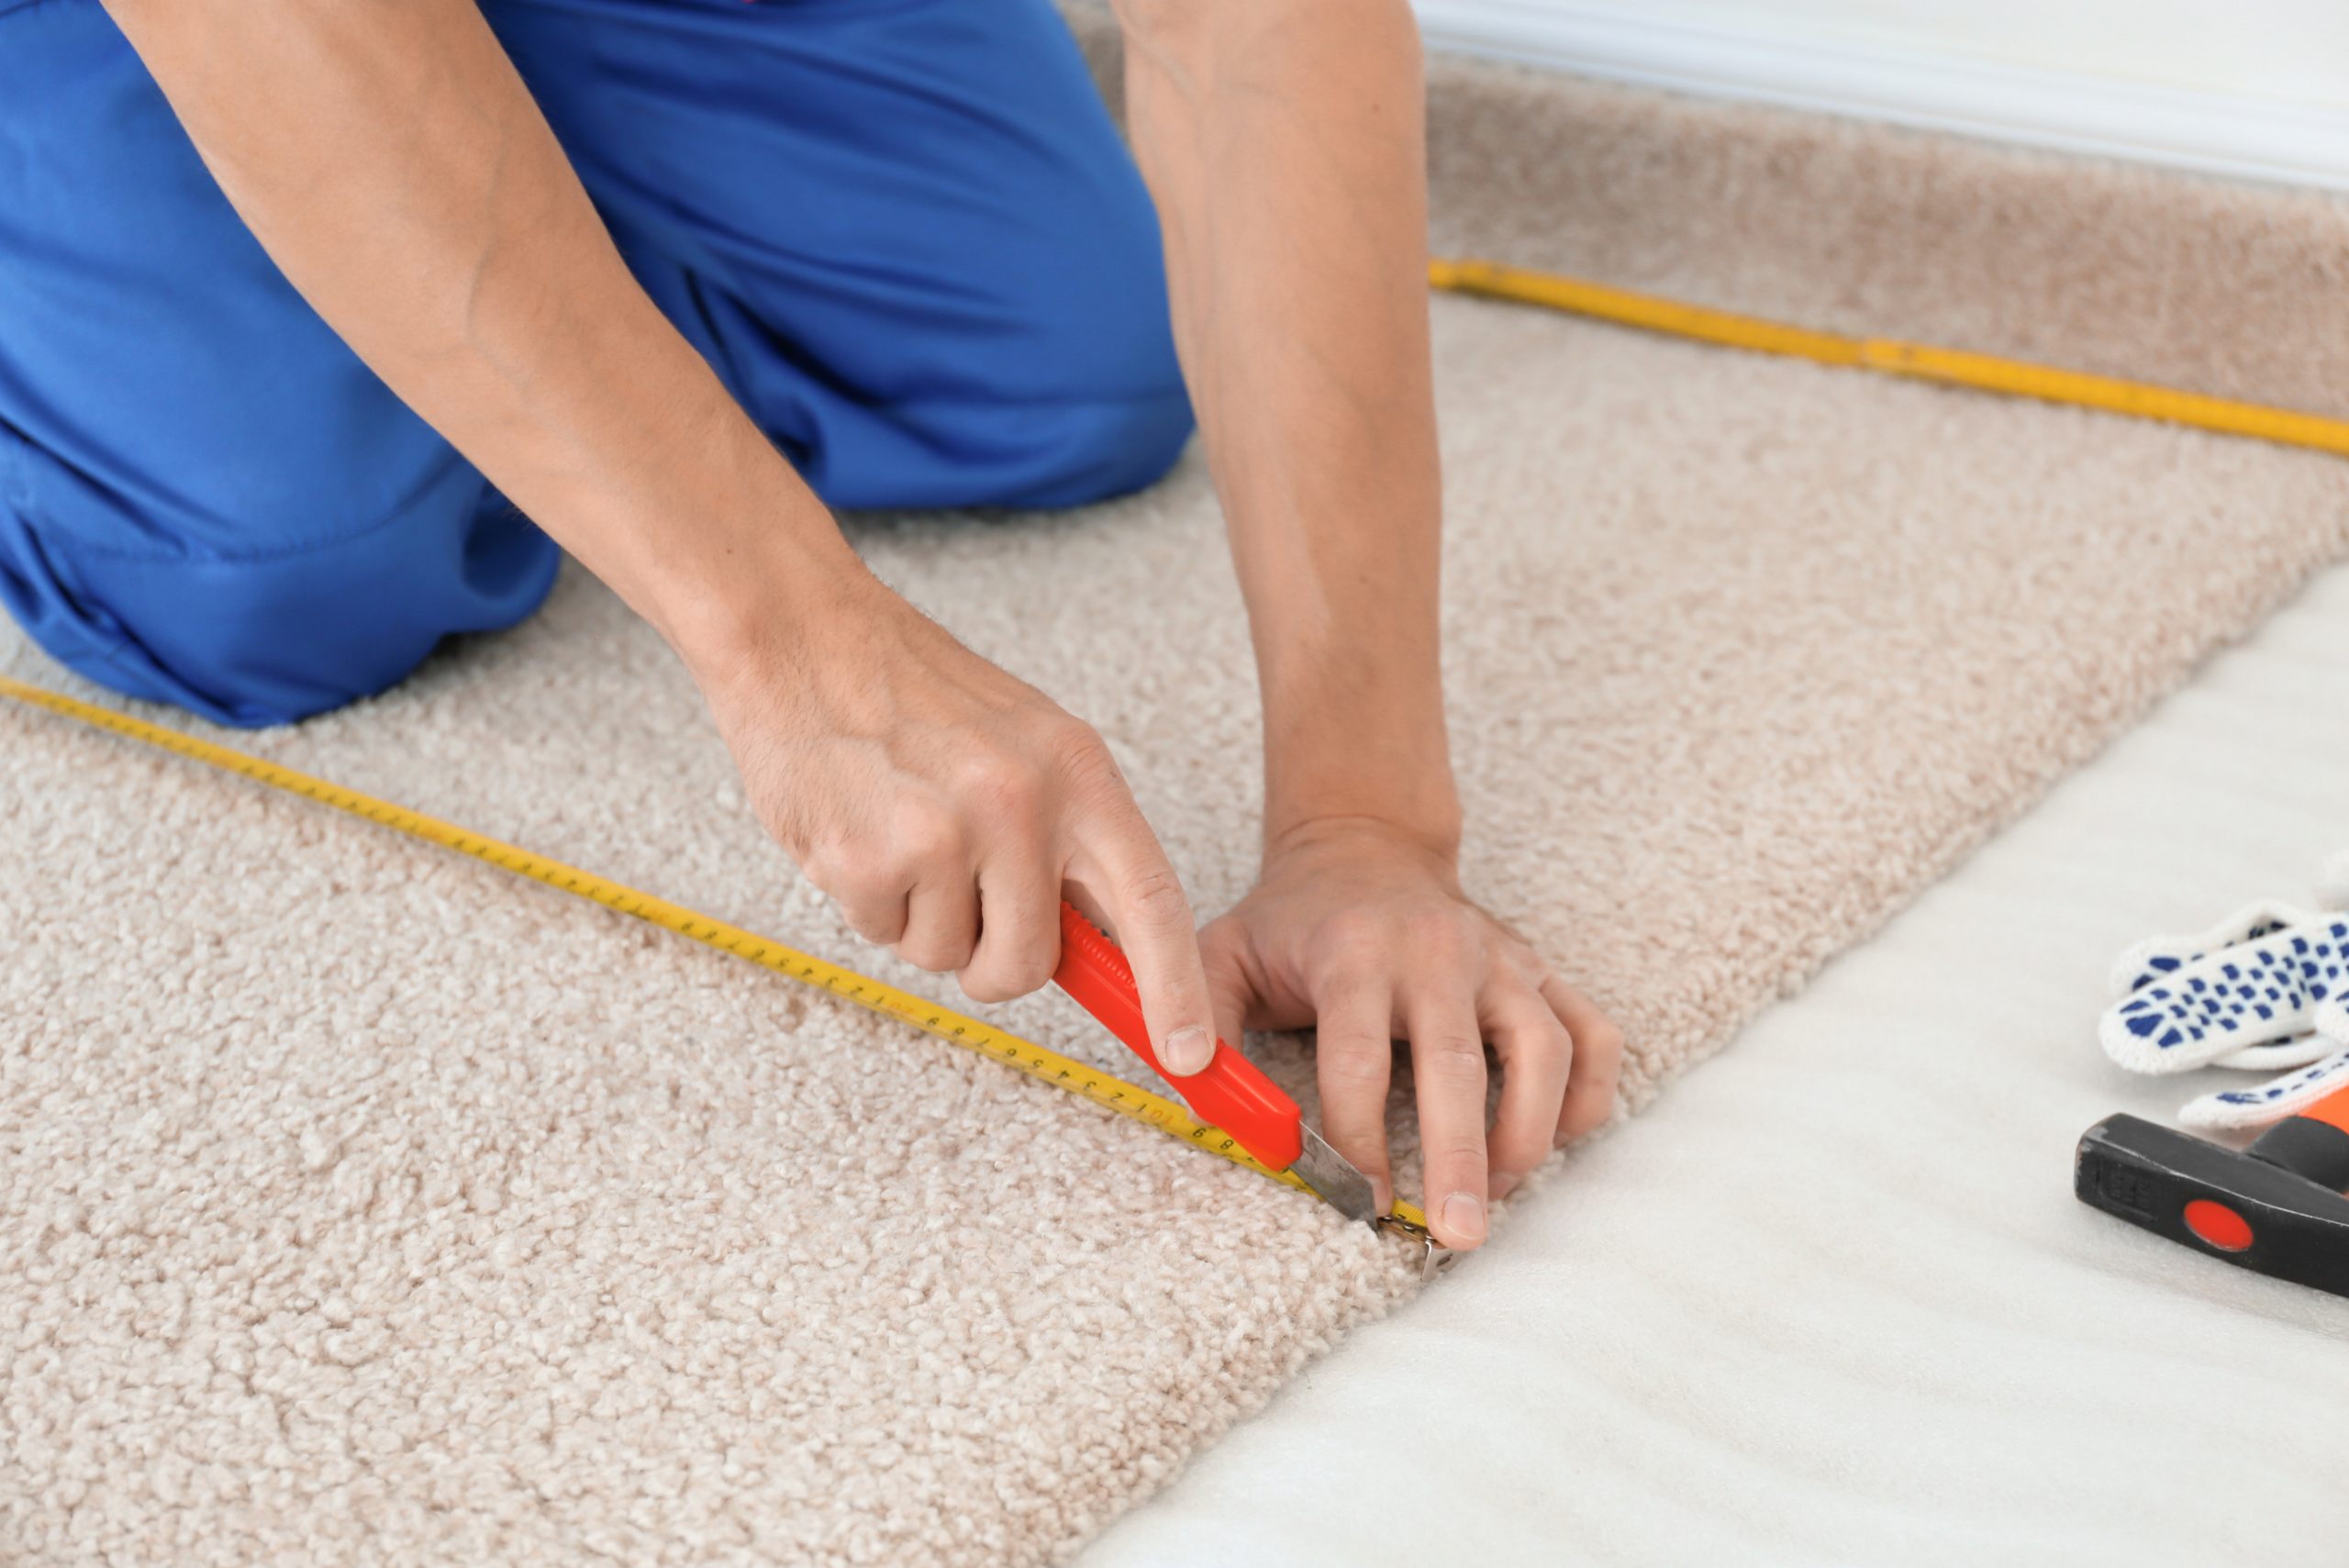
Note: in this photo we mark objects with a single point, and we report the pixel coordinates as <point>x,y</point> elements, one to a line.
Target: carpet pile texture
<point>2229,289</point>
<point>361,1205</point>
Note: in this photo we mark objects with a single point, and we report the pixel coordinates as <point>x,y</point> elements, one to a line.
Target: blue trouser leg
<point>902,230</point>
<point>205,497</point>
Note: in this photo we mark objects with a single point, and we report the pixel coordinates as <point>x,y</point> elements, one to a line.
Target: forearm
<point>391,160</point>
<point>1283,142</point>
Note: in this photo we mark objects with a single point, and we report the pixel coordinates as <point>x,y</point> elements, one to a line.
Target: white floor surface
<point>1832,1300</point>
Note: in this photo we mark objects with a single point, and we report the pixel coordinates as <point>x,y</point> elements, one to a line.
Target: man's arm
<point>1283,140</point>
<point>387,155</point>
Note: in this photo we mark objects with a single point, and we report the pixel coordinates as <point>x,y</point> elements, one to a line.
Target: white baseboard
<point>2247,137</point>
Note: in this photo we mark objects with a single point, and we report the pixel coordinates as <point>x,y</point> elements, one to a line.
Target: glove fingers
<point>2269,1102</point>
<point>2254,992</point>
<point>2158,956</point>
<point>2297,1051</point>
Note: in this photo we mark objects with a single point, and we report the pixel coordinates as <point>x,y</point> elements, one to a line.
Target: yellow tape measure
<point>1126,1099</point>
<point>1890,356</point>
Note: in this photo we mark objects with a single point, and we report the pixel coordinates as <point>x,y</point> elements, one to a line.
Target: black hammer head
<point>2248,1208</point>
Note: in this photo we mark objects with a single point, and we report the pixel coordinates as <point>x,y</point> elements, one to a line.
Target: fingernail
<point>1463,1217</point>
<point>1500,1184</point>
<point>1382,1193</point>
<point>1188,1050</point>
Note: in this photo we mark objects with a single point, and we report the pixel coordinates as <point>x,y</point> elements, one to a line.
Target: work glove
<point>2263,990</point>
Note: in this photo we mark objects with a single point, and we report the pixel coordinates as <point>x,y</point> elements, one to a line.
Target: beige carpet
<point>2233,290</point>
<point>359,1205</point>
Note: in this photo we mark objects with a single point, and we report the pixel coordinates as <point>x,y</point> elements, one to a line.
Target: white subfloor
<point>1832,1301</point>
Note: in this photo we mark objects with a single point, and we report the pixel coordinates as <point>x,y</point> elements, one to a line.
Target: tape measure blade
<point>1129,1100</point>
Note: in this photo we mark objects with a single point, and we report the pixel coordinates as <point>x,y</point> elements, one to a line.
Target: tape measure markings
<point>1625,307</point>
<point>1891,356</point>
<point>1115,1094</point>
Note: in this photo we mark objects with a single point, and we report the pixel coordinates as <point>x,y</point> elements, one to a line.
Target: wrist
<point>1388,779</point>
<point>1433,841</point>
<point>1340,850</point>
<point>1354,728</point>
<point>772,586</point>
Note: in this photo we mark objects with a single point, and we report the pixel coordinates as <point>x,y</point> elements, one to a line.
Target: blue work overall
<point>904,232</point>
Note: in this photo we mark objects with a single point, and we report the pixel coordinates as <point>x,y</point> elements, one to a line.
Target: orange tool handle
<point>2332,1110</point>
<point>1231,1091</point>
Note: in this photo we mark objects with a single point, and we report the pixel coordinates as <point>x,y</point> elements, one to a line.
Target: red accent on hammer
<point>2276,1207</point>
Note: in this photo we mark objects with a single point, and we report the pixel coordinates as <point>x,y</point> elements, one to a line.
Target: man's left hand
<point>1361,931</point>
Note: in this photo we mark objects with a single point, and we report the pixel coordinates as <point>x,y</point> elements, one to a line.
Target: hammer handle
<point>2312,1142</point>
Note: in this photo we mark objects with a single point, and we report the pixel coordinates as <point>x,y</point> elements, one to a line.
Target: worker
<point>326,326</point>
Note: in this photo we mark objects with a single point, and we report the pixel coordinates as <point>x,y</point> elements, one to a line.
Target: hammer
<point>2276,1207</point>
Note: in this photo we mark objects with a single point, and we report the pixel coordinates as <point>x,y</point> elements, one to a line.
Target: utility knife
<point>1230,1092</point>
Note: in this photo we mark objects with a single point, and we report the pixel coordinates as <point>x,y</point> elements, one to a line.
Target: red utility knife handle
<point>1231,1091</point>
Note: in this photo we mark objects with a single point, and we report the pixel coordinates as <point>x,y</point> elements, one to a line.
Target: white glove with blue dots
<point>2262,990</point>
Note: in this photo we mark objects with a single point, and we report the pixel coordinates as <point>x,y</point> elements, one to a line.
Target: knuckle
<point>1532,971</point>
<point>872,923</point>
<point>992,977</point>
<point>1354,933</point>
<point>984,988</point>
<point>921,837</point>
<point>1002,787</point>
<point>934,956</point>
<point>987,989</point>
<point>1592,1103</point>
<point>1527,970</point>
<point>1034,971</point>
<point>1545,1037</point>
<point>1586,1112</point>
<point>821,865</point>
<point>1451,1054</point>
<point>1602,1040</point>
<point>1460,1150</point>
<point>1356,1066</point>
<point>1080,756</point>
<point>1441,936</point>
<point>851,874</point>
<point>1357,995</point>
<point>1155,896</point>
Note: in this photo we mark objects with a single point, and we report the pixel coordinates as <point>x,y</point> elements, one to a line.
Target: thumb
<point>1142,903</point>
<point>1120,877</point>
<point>1153,921</point>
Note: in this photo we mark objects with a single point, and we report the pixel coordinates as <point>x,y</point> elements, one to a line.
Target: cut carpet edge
<point>1799,964</point>
<point>1301,1354</point>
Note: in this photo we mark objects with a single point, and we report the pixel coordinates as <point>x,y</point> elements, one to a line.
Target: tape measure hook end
<point>1435,1258</point>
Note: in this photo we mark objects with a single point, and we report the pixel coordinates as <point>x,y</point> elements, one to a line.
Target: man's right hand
<point>947,805</point>
<point>390,159</point>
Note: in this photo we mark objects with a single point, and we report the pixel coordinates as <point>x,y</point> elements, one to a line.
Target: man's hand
<point>946,806</point>
<point>390,159</point>
<point>1362,929</point>
<point>1285,142</point>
